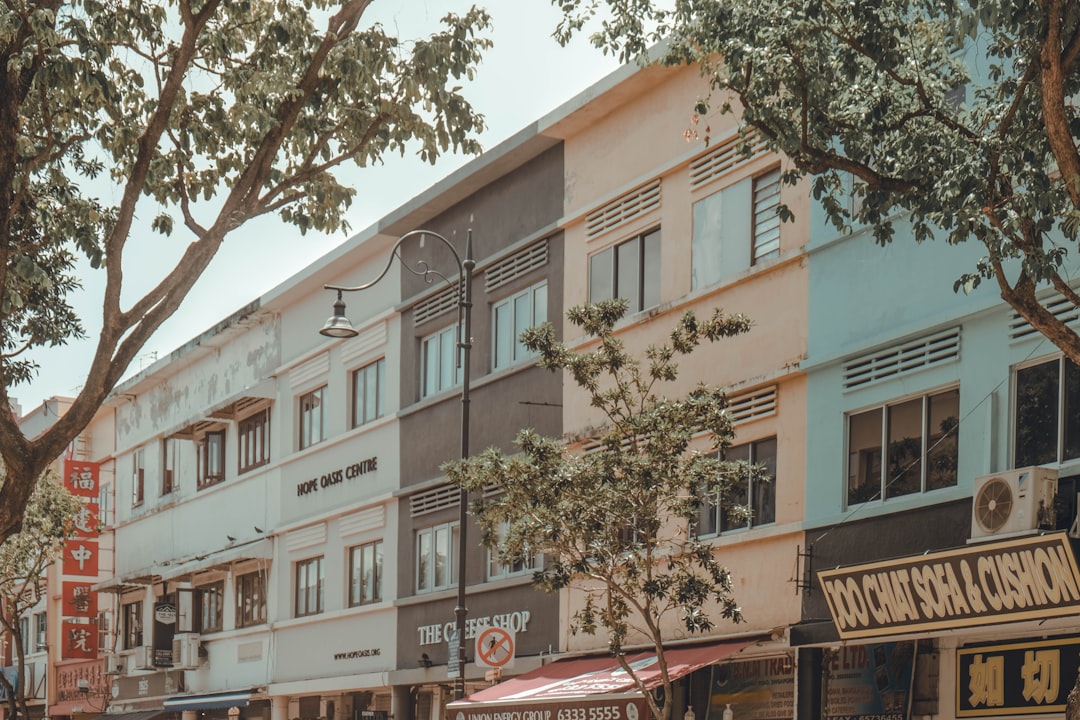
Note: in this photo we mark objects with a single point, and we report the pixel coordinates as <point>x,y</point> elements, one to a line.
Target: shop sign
<point>621,708</point>
<point>78,600</point>
<point>1018,678</point>
<point>516,621</point>
<point>868,682</point>
<point>81,478</point>
<point>163,633</point>
<point>158,684</point>
<point>336,477</point>
<point>91,673</point>
<point>79,641</point>
<point>754,689</point>
<point>1021,579</point>
<point>85,522</point>
<point>80,558</point>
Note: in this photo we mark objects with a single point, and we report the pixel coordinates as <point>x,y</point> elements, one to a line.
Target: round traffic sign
<point>494,647</point>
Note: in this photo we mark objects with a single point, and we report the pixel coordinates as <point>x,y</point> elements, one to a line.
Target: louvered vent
<point>752,405</point>
<point>921,353</point>
<point>533,257</point>
<point>435,306</point>
<point>1060,307</point>
<point>623,209</point>
<point>437,498</point>
<point>724,158</point>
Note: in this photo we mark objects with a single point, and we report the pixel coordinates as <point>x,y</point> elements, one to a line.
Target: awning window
<point>590,678</point>
<point>217,701</point>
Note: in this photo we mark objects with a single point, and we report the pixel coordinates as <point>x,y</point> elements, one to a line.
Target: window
<point>138,477</point>
<point>41,631</point>
<point>903,448</point>
<point>211,605</point>
<point>168,465</point>
<point>365,573</point>
<point>436,557</point>
<point>497,570</point>
<point>369,392</point>
<point>510,318</point>
<point>313,417</point>
<point>253,434</point>
<point>439,357</point>
<point>629,270</point>
<point>766,219</point>
<point>309,587</point>
<point>24,633</point>
<point>250,599</point>
<point>211,459</point>
<point>104,629</point>
<point>133,635</point>
<point>105,507</point>
<point>1046,418</point>
<point>757,494</point>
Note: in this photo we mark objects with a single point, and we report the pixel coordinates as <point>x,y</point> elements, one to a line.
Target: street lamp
<point>338,326</point>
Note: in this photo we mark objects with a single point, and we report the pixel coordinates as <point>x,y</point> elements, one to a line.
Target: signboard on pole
<point>453,658</point>
<point>495,648</point>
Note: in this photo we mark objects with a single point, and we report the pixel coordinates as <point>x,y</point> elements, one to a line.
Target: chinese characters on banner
<point>1016,678</point>
<point>79,637</point>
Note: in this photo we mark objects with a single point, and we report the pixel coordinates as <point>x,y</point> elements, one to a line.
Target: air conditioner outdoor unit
<point>112,664</point>
<point>1013,502</point>
<point>185,651</point>
<point>144,658</point>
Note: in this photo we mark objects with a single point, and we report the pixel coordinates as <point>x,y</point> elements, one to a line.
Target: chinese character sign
<point>85,523</point>
<point>81,558</point>
<point>1018,678</point>
<point>81,478</point>
<point>79,641</point>
<point>79,601</point>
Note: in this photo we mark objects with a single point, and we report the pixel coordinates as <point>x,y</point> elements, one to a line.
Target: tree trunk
<point>1072,707</point>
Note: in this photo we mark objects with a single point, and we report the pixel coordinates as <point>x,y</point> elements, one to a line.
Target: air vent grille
<point>725,157</point>
<point>435,306</point>
<point>623,209</point>
<point>752,405</point>
<point>917,354</point>
<point>506,271</point>
<point>437,498</point>
<point>1059,307</point>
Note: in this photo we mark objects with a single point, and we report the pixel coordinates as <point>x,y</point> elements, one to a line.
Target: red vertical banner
<point>78,641</point>
<point>85,523</point>
<point>79,601</point>
<point>81,558</point>
<point>81,478</point>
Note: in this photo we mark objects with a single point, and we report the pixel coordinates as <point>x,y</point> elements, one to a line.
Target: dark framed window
<point>757,494</point>
<point>253,440</point>
<point>369,392</point>
<point>138,477</point>
<point>905,447</point>
<point>250,599</point>
<point>312,417</point>
<point>1046,413</point>
<point>211,459</point>
<point>211,606</point>
<point>365,573</point>
<point>628,270</point>
<point>309,586</point>
<point>133,624</point>
<point>169,449</point>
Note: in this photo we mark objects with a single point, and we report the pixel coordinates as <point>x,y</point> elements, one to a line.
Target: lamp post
<point>338,326</point>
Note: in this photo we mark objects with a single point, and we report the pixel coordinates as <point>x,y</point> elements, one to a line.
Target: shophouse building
<point>941,483</point>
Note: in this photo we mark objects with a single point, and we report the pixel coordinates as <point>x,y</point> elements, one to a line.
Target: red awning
<point>588,677</point>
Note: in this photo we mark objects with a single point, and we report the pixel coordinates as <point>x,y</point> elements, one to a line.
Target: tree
<point>958,116</point>
<point>617,523</point>
<point>24,558</point>
<point>198,115</point>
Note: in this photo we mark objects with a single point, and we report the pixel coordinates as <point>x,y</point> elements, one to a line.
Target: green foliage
<point>958,117</point>
<point>616,522</point>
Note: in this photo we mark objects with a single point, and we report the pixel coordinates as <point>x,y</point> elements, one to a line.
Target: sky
<point>524,76</point>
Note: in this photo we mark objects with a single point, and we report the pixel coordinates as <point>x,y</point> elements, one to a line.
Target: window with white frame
<point>138,476</point>
<point>1046,412</point>
<point>369,392</point>
<point>132,624</point>
<point>628,270</point>
<point>436,557</point>
<point>365,573</point>
<point>512,316</point>
<point>310,582</point>
<point>439,359</point>
<point>726,237</point>
<point>211,606</point>
<point>756,493</point>
<point>250,599</point>
<point>312,417</point>
<point>903,447</point>
<point>41,632</point>
<point>498,569</point>
<point>211,458</point>
<point>253,440</point>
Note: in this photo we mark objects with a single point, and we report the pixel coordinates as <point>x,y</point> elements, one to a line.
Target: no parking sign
<point>495,648</point>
